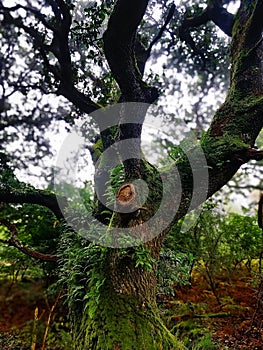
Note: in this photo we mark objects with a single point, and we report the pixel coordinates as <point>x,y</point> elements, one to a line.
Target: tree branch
<point>14,242</point>
<point>163,28</point>
<point>39,197</point>
<point>221,17</point>
<point>119,47</point>
<point>214,12</point>
<point>253,154</point>
<point>59,48</point>
<point>142,54</point>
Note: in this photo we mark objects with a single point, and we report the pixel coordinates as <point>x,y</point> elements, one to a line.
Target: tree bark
<point>124,316</point>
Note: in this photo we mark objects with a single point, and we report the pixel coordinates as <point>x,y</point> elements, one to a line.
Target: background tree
<point>111,291</point>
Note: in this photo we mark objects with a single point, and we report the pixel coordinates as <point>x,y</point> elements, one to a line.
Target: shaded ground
<point>18,302</point>
<point>237,323</point>
<point>192,314</point>
<point>27,313</point>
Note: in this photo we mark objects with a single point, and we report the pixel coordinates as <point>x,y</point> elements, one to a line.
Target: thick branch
<point>238,122</point>
<point>14,242</point>
<point>221,17</point>
<point>39,197</point>
<point>119,46</point>
<point>214,12</point>
<point>230,140</point>
<point>81,101</point>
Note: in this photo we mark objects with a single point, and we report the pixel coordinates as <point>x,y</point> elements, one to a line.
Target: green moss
<point>113,320</point>
<point>219,150</point>
<point>121,323</point>
<point>231,130</point>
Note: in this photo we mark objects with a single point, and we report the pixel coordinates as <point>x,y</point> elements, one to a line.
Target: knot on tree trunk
<point>126,196</point>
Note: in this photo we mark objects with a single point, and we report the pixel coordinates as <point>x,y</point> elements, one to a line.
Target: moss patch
<point>121,323</point>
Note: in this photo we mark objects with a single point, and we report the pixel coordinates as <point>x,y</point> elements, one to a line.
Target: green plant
<point>80,273</point>
<point>143,258</point>
<point>205,343</point>
<point>194,335</point>
<point>174,268</point>
<point>218,242</point>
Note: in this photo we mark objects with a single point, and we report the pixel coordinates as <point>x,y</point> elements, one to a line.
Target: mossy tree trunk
<point>120,311</point>
<point>125,315</point>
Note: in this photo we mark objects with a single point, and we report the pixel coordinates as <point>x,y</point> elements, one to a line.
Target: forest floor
<point>233,315</point>
<point>230,320</point>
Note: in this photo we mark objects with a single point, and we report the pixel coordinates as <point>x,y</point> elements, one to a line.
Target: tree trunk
<point>120,310</point>
<point>124,314</point>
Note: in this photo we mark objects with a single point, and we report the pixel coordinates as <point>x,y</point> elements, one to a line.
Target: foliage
<point>143,258</point>
<point>219,242</point>
<point>190,330</point>
<point>80,273</point>
<point>12,342</point>
<point>174,268</point>
<point>37,228</point>
<point>39,231</point>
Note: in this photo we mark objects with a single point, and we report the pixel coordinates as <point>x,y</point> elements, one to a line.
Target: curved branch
<point>39,197</point>
<point>119,47</point>
<point>214,12</point>
<point>59,48</point>
<point>14,242</point>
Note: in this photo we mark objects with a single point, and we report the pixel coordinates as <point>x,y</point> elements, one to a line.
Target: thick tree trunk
<point>124,316</point>
<point>121,312</point>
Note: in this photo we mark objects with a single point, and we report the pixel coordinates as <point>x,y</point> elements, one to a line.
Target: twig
<point>163,28</point>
